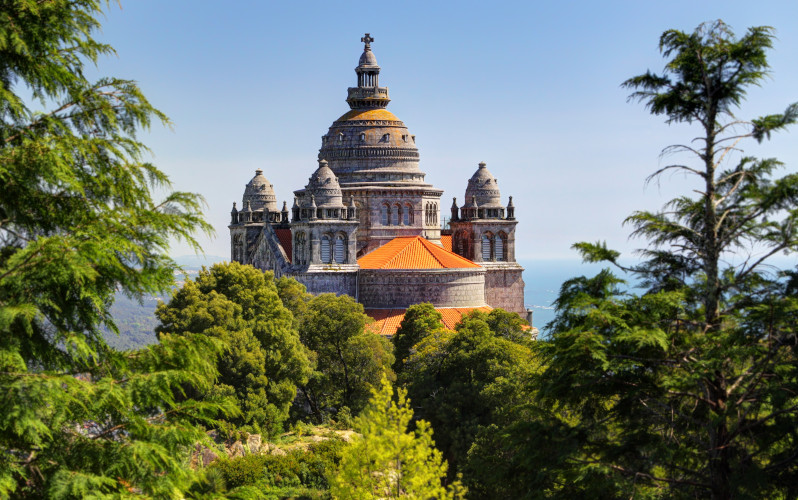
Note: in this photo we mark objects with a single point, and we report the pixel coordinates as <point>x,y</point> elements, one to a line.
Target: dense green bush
<point>298,468</point>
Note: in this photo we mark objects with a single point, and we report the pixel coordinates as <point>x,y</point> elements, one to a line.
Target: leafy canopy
<point>349,360</point>
<point>264,361</point>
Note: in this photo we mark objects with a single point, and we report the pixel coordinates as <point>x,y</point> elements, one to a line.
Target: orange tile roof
<point>284,236</point>
<point>412,252</point>
<point>368,114</point>
<point>387,321</point>
<point>446,241</point>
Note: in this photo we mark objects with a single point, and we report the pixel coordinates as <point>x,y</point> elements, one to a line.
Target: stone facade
<point>504,285</point>
<point>399,289</point>
<point>367,190</point>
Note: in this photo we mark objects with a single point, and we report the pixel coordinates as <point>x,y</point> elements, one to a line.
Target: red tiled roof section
<point>412,252</point>
<point>446,241</point>
<point>387,321</point>
<point>284,236</point>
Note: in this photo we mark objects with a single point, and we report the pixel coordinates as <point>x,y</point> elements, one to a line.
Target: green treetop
<point>419,321</point>
<point>349,360</point>
<point>264,362</point>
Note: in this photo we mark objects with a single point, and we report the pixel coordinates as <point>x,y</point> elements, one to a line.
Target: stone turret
<point>368,93</point>
<point>485,235</point>
<point>260,193</point>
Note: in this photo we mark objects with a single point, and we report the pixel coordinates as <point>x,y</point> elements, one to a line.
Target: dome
<point>354,115</point>
<point>324,187</point>
<point>367,59</point>
<point>483,186</point>
<point>260,193</point>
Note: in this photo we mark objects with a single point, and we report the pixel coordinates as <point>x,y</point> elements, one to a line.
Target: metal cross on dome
<point>367,40</point>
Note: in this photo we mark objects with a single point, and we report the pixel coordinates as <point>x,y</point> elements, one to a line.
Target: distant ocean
<point>543,279</point>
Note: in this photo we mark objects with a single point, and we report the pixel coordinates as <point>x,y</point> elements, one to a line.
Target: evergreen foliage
<point>79,221</point>
<point>349,360</point>
<point>690,389</point>
<point>419,321</point>
<point>388,460</point>
<point>264,361</point>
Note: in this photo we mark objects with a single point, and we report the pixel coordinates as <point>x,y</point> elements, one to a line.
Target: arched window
<point>407,215</point>
<point>487,243</point>
<point>384,215</point>
<point>500,244</point>
<point>395,217</point>
<point>340,249</point>
<point>326,250</point>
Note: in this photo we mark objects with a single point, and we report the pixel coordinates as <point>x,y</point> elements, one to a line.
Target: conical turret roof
<point>484,187</point>
<point>260,193</point>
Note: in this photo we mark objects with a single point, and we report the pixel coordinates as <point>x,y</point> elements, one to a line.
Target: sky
<point>530,88</point>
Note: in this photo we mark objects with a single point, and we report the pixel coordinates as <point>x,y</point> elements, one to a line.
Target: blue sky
<point>531,88</point>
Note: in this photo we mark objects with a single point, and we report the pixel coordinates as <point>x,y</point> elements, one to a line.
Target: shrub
<point>298,468</point>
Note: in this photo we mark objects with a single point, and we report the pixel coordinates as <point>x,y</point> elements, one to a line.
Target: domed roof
<point>483,186</point>
<point>260,193</point>
<point>367,59</point>
<point>323,186</point>
<point>368,114</point>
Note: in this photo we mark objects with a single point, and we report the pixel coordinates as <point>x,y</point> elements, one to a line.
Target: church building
<point>368,225</point>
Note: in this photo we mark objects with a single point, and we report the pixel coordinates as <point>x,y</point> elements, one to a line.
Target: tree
<point>508,325</point>
<point>419,321</point>
<point>78,220</point>
<point>388,460</point>
<point>294,296</point>
<point>462,381</point>
<point>349,360</point>
<point>264,361</point>
<point>689,390</point>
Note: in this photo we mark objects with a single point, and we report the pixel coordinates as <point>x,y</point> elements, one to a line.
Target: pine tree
<point>78,221</point>
<point>388,460</point>
<point>690,389</point>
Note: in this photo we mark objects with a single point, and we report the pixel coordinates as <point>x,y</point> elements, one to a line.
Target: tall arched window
<point>407,215</point>
<point>384,215</point>
<point>499,247</point>
<point>487,241</point>
<point>326,250</point>
<point>396,215</point>
<point>339,252</point>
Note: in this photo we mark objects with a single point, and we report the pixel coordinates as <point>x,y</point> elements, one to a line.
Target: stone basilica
<point>368,225</point>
